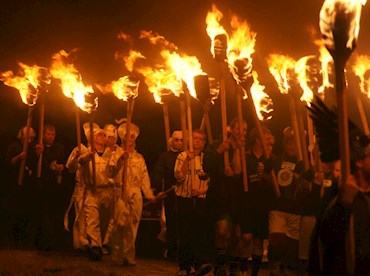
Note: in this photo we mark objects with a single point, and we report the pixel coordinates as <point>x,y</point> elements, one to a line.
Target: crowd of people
<point>214,220</point>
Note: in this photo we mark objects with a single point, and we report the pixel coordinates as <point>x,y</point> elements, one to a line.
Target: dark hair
<point>234,122</point>
<point>50,127</point>
<point>198,130</point>
<point>254,135</point>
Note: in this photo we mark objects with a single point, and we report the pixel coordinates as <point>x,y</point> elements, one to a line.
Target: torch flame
<point>161,82</point>
<point>262,101</point>
<point>71,82</point>
<point>240,47</point>
<point>130,59</point>
<point>303,78</point>
<point>125,88</point>
<point>338,16</point>
<point>213,25</point>
<point>360,68</point>
<point>326,63</point>
<point>240,44</point>
<point>281,67</point>
<point>28,83</point>
<point>170,75</point>
<point>157,39</point>
<point>185,67</point>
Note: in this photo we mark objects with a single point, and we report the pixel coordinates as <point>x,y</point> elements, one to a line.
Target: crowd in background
<point>214,220</point>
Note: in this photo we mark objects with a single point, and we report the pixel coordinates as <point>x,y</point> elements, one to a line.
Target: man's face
<point>290,148</point>
<point>364,166</point>
<point>177,143</point>
<point>198,141</point>
<point>269,141</point>
<point>235,131</point>
<point>49,136</point>
<point>100,139</point>
<point>111,140</point>
<point>130,142</point>
<point>336,170</point>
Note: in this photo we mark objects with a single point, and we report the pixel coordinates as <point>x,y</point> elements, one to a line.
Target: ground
<point>31,262</point>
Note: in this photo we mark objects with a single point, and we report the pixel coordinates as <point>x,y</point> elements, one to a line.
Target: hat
<point>134,130</point>
<point>177,134</point>
<point>96,129</point>
<point>111,130</point>
<point>22,133</point>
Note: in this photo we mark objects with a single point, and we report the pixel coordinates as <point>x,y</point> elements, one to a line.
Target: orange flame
<point>28,83</point>
<point>213,25</point>
<point>326,66</point>
<point>343,17</point>
<point>71,81</point>
<point>176,68</point>
<point>185,67</point>
<point>130,59</point>
<point>240,44</point>
<point>161,82</point>
<point>240,47</point>
<point>281,67</point>
<point>301,69</point>
<point>125,88</point>
<point>157,39</point>
<point>262,101</point>
<point>361,67</point>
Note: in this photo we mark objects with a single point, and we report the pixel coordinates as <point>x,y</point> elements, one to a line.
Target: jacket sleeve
<point>145,180</point>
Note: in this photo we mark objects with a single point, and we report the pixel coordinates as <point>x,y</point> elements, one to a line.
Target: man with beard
<point>50,200</point>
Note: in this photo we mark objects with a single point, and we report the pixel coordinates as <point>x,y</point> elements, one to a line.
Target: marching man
<point>128,208</point>
<point>99,198</point>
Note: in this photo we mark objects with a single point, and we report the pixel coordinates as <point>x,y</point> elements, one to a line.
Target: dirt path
<point>23,262</point>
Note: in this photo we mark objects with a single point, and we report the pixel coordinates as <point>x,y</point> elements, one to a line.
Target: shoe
<point>106,250</point>
<point>96,253</point>
<point>220,271</point>
<point>128,262</point>
<point>203,270</point>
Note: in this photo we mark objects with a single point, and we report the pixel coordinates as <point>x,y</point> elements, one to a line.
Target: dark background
<point>32,30</point>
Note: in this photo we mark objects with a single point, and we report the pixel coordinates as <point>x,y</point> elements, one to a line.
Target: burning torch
<point>126,88</point>
<point>82,95</point>
<point>340,25</point>
<point>32,80</point>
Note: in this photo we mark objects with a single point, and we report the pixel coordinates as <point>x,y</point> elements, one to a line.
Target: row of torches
<point>182,76</point>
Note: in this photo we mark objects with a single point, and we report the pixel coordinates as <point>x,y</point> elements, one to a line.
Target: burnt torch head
<point>220,47</point>
<point>202,88</point>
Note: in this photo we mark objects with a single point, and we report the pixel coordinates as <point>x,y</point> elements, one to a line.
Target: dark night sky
<point>32,30</point>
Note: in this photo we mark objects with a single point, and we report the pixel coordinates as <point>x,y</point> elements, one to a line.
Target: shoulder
<point>182,155</point>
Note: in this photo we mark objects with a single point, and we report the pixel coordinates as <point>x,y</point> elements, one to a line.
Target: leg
<point>91,208</point>
<point>222,235</point>
<point>235,241</point>
<point>257,255</point>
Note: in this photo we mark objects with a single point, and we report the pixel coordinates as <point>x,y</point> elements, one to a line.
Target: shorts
<point>287,223</point>
<point>254,221</point>
<point>223,200</point>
